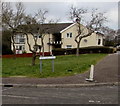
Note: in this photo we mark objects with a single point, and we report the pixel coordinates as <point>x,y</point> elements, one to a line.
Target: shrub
<point>6,50</point>
<point>96,49</point>
<point>92,49</point>
<point>24,52</point>
<point>59,51</point>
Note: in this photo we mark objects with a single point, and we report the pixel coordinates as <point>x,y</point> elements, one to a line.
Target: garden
<point>65,65</point>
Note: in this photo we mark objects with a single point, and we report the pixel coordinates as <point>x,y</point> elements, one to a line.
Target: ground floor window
<point>20,47</point>
<point>99,41</point>
<point>68,46</point>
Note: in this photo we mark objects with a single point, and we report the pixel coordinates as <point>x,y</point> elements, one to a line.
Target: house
<point>61,35</point>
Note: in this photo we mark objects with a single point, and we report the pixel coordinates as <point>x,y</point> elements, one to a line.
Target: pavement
<point>105,73</point>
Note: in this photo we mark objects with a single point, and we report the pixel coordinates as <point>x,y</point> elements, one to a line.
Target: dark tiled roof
<point>99,33</point>
<point>52,28</point>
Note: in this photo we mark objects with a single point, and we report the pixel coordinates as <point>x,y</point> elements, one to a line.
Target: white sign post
<point>47,57</point>
<point>91,74</point>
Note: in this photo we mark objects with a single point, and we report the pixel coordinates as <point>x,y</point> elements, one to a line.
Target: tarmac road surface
<point>82,95</point>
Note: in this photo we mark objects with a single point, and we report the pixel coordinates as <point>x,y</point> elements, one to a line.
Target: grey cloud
<point>60,9</point>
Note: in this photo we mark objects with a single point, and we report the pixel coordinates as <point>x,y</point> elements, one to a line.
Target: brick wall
<point>23,55</point>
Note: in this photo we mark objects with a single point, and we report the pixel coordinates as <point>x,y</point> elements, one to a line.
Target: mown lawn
<point>22,66</point>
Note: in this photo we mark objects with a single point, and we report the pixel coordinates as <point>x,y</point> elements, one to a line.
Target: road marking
<point>24,97</point>
<point>92,101</point>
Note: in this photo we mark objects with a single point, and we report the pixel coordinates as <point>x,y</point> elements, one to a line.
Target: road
<point>82,95</point>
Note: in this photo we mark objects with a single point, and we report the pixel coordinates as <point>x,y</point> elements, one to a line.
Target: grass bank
<point>22,66</point>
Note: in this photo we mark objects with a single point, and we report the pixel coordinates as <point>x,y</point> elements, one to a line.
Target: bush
<point>85,50</point>
<point>6,50</point>
<point>58,51</point>
<point>24,52</point>
<point>96,49</point>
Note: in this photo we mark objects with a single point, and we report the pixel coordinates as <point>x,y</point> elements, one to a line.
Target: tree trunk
<point>77,50</point>
<point>33,58</point>
<point>42,46</point>
<point>14,50</point>
<point>43,50</point>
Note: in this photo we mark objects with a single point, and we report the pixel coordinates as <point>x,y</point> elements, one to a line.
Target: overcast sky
<point>59,10</point>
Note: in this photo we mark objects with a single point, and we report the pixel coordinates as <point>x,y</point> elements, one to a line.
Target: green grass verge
<point>22,66</point>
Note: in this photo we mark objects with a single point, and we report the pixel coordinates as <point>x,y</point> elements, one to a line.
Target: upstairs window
<point>69,35</point>
<point>20,39</point>
<point>37,36</point>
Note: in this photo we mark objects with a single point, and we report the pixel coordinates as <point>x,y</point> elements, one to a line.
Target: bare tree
<point>94,24</point>
<point>36,23</point>
<point>30,25</point>
<point>41,18</point>
<point>110,34</point>
<point>12,19</point>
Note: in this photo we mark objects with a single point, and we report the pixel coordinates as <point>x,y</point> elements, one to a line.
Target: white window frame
<point>69,46</point>
<point>69,35</point>
<point>18,47</point>
<point>22,41</point>
<point>18,37</point>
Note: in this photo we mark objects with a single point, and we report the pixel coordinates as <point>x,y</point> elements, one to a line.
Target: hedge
<point>6,50</point>
<point>85,50</point>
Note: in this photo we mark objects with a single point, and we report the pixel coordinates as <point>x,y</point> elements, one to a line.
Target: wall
<point>69,41</point>
<point>23,55</point>
<point>31,41</point>
<point>91,40</point>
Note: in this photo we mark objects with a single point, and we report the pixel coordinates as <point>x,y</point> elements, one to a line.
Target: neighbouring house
<point>61,35</point>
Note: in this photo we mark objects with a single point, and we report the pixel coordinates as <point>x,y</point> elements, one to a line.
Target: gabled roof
<point>67,27</point>
<point>56,28</point>
<point>53,28</point>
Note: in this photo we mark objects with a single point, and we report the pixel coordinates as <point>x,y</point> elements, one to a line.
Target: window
<point>17,47</point>
<point>69,35</point>
<point>22,40</point>
<point>21,36</point>
<point>23,48</point>
<point>37,36</point>
<point>19,39</point>
<point>99,41</point>
<point>20,47</point>
<point>68,46</point>
<point>85,40</point>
